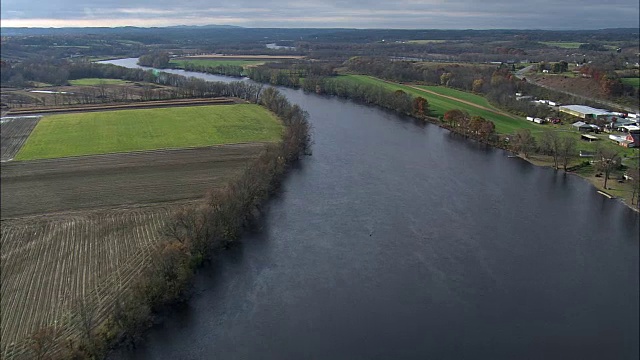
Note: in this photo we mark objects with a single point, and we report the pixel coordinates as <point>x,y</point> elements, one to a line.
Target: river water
<point>399,241</point>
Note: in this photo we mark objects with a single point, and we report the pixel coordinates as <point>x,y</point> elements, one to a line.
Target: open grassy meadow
<point>425,41</point>
<point>216,62</point>
<point>562,44</point>
<point>147,129</point>
<point>96,81</point>
<point>442,99</point>
<point>633,81</point>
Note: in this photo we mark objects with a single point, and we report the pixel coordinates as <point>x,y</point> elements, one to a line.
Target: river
<point>399,241</point>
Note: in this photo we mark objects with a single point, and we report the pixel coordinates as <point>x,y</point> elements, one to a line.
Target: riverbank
<point>505,124</point>
<point>617,190</point>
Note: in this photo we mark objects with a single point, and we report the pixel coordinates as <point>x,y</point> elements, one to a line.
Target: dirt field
<point>146,177</point>
<point>581,86</point>
<point>49,263</point>
<point>14,132</point>
<point>134,105</point>
<point>81,229</point>
<point>242,57</point>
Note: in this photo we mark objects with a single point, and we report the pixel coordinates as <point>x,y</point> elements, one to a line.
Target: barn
<point>584,112</point>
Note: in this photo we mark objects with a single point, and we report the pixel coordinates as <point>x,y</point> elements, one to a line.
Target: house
<point>626,140</point>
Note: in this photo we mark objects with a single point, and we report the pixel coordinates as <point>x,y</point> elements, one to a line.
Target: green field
<point>97,81</point>
<point>425,41</point>
<point>563,44</point>
<point>146,129</point>
<point>214,63</point>
<point>505,124</point>
<point>633,81</point>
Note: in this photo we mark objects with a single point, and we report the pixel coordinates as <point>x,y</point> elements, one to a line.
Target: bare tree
<point>551,143</point>
<point>567,150</point>
<point>609,159</point>
<point>633,173</point>
<point>43,343</point>
<point>85,320</point>
<point>523,141</point>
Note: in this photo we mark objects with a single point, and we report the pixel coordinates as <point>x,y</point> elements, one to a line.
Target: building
<point>626,140</point>
<point>584,112</point>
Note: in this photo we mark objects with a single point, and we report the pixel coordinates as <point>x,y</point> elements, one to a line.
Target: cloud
<point>445,14</point>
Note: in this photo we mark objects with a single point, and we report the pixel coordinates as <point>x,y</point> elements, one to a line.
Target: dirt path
<point>462,101</point>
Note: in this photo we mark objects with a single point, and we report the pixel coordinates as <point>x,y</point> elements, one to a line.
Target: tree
<point>477,85</point>
<point>609,159</point>
<point>634,174</point>
<point>43,342</point>
<point>550,143</point>
<point>420,106</point>
<point>523,142</point>
<point>454,117</point>
<point>567,150</point>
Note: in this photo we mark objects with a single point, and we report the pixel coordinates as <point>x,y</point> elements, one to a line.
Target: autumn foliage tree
<point>420,106</point>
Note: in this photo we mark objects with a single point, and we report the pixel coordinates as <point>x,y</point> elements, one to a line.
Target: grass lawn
<point>563,44</point>
<point>505,124</point>
<point>146,129</point>
<point>97,81</point>
<point>211,62</point>
<point>633,81</point>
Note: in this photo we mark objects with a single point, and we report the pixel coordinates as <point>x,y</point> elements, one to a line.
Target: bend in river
<point>400,241</point>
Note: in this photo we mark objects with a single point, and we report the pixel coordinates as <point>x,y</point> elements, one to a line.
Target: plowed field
<point>49,263</point>
<point>145,177</point>
<point>81,228</point>
<point>14,131</point>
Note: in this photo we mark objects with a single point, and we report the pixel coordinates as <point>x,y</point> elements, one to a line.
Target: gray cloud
<point>445,14</point>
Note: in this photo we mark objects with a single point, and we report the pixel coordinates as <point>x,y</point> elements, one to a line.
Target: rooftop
<point>586,109</point>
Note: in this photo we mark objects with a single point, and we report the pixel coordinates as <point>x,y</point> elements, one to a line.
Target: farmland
<point>562,44</point>
<point>13,133</point>
<point>424,41</point>
<point>146,129</point>
<point>77,231</point>
<point>96,81</point>
<point>442,99</point>
<point>243,57</point>
<point>215,62</point>
<point>145,177</point>
<point>49,264</point>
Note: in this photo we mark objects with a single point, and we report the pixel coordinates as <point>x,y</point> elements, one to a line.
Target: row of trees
<point>475,127</point>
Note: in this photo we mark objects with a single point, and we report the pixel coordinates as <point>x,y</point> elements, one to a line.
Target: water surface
<point>400,241</point>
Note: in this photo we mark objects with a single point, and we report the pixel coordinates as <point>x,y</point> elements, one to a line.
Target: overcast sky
<point>401,14</point>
